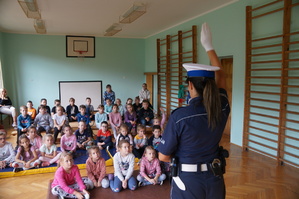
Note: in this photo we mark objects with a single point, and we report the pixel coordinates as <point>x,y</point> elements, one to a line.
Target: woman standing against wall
<point>6,106</point>
<point>193,133</point>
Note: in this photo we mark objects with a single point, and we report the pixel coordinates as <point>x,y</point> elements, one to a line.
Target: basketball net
<point>81,55</point>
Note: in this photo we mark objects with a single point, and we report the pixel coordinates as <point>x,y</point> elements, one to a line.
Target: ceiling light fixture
<point>113,29</point>
<point>39,26</point>
<point>136,11</point>
<point>30,8</point>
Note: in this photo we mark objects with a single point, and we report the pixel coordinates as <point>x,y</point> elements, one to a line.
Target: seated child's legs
<point>87,144</point>
<point>88,183</point>
<point>114,131</point>
<point>115,184</point>
<point>56,132</point>
<point>162,177</point>
<point>51,161</point>
<point>110,144</point>
<point>143,121</point>
<point>58,191</point>
<point>105,183</point>
<point>130,126</point>
<point>5,164</point>
<point>132,183</point>
<point>17,165</point>
<point>48,129</point>
<point>21,165</point>
<point>143,180</point>
<point>39,130</point>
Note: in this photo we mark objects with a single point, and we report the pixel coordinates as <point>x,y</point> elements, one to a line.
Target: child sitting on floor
<point>140,141</point>
<point>43,102</point>
<point>124,135</point>
<point>68,182</point>
<point>35,140</point>
<point>43,121</point>
<point>54,108</point>
<point>115,120</point>
<point>100,116</point>
<point>129,101</point>
<point>83,136</point>
<point>104,138</point>
<point>23,121</point>
<point>7,154</point>
<point>72,110</point>
<point>31,111</point>
<point>108,106</point>
<point>26,157</point>
<point>156,138</point>
<point>158,121</point>
<point>121,108</point>
<point>48,151</point>
<point>89,108</point>
<point>68,140</point>
<point>59,119</point>
<point>137,105</point>
<point>130,117</point>
<point>82,115</point>
<point>146,114</point>
<point>150,170</point>
<point>96,168</point>
<point>123,162</point>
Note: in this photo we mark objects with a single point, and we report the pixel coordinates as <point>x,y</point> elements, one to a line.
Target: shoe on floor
<point>161,183</point>
<point>14,125</point>
<point>140,184</point>
<point>15,170</point>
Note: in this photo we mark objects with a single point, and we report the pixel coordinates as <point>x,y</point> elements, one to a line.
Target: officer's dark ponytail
<point>207,88</point>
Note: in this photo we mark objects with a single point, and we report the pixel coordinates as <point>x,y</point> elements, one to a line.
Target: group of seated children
<point>69,183</point>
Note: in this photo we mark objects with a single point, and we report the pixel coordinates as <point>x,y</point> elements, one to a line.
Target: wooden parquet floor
<point>249,175</point>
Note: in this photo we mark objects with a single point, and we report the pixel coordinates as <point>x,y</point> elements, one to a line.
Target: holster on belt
<point>218,164</point>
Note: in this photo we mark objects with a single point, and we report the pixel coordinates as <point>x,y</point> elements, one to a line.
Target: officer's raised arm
<point>206,41</point>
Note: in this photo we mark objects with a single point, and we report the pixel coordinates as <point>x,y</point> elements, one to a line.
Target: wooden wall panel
<point>172,52</point>
<point>271,119</point>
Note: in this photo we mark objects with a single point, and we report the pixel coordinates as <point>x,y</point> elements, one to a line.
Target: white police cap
<point>200,70</point>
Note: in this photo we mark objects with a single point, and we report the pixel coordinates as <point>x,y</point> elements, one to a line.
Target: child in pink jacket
<point>68,141</point>
<point>96,168</point>
<point>68,182</point>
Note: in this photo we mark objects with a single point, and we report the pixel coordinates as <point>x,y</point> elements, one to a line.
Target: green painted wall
<point>228,30</point>
<point>34,64</point>
<point>1,58</point>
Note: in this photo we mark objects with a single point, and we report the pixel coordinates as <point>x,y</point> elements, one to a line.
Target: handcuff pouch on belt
<point>218,164</point>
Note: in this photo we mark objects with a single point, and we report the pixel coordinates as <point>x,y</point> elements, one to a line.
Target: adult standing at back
<point>6,106</point>
<point>109,94</point>
<point>193,133</point>
<point>144,93</point>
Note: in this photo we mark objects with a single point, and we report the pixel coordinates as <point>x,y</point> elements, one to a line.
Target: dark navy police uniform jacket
<point>188,137</point>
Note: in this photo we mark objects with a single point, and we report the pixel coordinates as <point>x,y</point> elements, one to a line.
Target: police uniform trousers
<point>199,185</point>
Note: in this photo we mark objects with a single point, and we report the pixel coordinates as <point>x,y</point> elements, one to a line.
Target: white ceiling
<point>93,17</point>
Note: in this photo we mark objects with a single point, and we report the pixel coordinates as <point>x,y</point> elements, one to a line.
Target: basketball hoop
<point>81,54</point>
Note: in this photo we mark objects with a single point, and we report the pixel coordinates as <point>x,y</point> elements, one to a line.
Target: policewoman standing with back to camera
<point>191,138</point>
